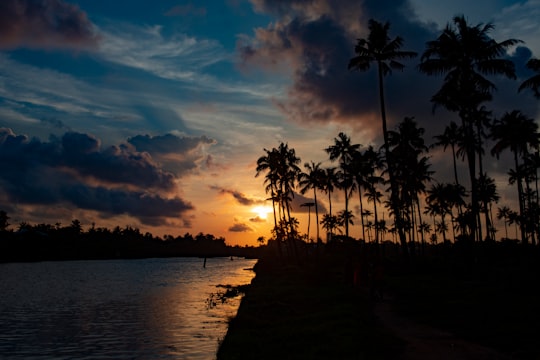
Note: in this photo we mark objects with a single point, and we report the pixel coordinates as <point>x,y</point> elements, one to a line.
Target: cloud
<point>54,122</point>
<point>316,40</point>
<point>257,219</point>
<point>238,196</point>
<point>240,228</point>
<point>298,200</point>
<point>44,24</point>
<point>520,21</point>
<point>75,170</point>
<point>186,10</point>
<point>181,154</point>
<point>178,57</point>
<point>169,143</point>
<point>313,41</point>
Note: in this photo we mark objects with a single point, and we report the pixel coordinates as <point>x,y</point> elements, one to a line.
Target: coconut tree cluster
<point>397,178</point>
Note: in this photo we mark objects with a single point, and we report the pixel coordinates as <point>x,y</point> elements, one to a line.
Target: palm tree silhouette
<point>379,49</point>
<point>464,54</point>
<point>533,82</point>
<point>312,179</point>
<point>411,168</point>
<point>504,213</point>
<point>344,151</point>
<point>329,180</point>
<point>364,166</point>
<point>451,136</point>
<point>439,203</point>
<point>330,223</point>
<point>374,196</point>
<point>487,194</point>
<point>345,217</point>
<point>517,132</point>
<point>282,169</point>
<point>309,205</point>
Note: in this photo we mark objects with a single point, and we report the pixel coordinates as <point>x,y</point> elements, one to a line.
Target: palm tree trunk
<point>420,222</point>
<point>361,212</point>
<point>308,221</point>
<point>394,201</point>
<point>520,200</point>
<point>471,160</point>
<point>481,171</point>
<point>346,212</point>
<point>376,217</point>
<point>316,213</point>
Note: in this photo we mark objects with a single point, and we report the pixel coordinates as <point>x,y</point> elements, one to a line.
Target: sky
<point>153,114</point>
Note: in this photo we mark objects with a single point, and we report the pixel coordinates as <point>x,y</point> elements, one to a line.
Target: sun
<point>262,211</point>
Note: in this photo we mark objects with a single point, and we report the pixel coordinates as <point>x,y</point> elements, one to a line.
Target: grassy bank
<point>488,296</point>
<point>308,311</point>
<point>493,300</point>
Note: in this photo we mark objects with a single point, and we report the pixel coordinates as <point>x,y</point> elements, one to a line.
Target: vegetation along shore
<point>353,301</point>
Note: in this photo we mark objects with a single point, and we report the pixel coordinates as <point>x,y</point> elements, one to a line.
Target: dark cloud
<point>315,39</point>
<point>298,200</point>
<point>257,219</point>
<point>44,24</point>
<point>181,154</point>
<point>55,123</point>
<point>150,209</point>
<point>75,170</point>
<point>115,164</point>
<point>238,196</point>
<point>169,143</point>
<point>240,228</point>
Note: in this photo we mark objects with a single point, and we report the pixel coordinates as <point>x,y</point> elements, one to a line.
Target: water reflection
<point>151,308</point>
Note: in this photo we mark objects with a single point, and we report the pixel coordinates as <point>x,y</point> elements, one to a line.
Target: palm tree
<point>269,163</point>
<point>330,223</point>
<point>345,217</point>
<point>411,168</point>
<point>364,167</point>
<point>328,182</point>
<point>344,151</point>
<point>309,205</point>
<point>517,132</point>
<point>451,136</point>
<point>379,49</point>
<point>533,82</point>
<point>312,179</point>
<point>4,224</point>
<point>374,196</point>
<point>282,169</point>
<point>464,54</point>
<point>487,194</point>
<point>504,213</point>
<point>439,203</point>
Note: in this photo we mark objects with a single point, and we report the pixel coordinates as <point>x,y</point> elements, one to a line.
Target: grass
<point>493,301</point>
<point>305,312</point>
<point>489,296</point>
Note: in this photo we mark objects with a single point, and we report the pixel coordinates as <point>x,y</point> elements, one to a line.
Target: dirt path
<point>424,342</point>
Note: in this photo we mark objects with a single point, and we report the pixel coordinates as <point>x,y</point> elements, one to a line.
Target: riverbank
<point>308,311</point>
<point>440,306</point>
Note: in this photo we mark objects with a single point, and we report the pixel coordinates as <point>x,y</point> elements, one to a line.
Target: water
<point>116,309</point>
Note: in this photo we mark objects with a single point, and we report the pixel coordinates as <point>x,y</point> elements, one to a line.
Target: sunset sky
<point>153,114</point>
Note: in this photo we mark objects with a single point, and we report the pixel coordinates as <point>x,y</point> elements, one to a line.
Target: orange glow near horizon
<point>262,211</point>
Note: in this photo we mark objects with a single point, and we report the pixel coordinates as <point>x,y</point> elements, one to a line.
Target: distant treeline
<point>54,242</point>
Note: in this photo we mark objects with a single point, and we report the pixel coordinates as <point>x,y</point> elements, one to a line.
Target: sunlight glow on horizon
<point>262,211</point>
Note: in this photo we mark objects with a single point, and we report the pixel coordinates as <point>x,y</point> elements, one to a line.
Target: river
<point>117,309</point>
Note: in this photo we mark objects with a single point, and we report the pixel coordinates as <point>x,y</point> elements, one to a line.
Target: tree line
<point>420,207</point>
<point>56,242</point>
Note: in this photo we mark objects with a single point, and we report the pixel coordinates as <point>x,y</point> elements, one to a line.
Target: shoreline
<point>308,311</point>
<point>438,307</point>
